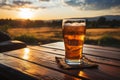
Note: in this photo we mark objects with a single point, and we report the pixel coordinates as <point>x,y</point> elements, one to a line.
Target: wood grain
<point>39,62</point>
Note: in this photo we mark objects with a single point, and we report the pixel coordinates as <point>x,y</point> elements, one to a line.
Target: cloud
<point>43,4</point>
<point>75,3</point>
<point>21,3</point>
<point>33,4</point>
<point>93,4</point>
<point>9,4</point>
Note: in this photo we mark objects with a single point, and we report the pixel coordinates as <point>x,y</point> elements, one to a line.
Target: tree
<point>101,21</point>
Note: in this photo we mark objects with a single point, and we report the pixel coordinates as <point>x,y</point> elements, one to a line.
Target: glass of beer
<point>73,35</point>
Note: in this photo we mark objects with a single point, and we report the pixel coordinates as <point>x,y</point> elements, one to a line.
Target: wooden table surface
<point>38,63</point>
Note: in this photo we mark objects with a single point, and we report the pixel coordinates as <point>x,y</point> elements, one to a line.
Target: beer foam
<point>74,24</point>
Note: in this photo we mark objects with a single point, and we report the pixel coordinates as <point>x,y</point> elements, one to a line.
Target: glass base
<point>74,62</point>
<point>84,62</point>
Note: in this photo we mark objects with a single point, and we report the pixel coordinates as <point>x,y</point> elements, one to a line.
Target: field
<point>47,34</point>
<point>98,33</point>
<point>43,32</point>
<point>37,35</point>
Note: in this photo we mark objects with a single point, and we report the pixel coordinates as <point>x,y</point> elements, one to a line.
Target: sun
<point>26,13</point>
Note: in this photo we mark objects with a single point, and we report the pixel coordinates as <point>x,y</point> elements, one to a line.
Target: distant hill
<point>108,17</point>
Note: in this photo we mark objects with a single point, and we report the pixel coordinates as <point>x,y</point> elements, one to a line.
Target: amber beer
<point>73,34</point>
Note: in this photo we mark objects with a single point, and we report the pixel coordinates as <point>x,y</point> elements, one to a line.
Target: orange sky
<point>51,9</point>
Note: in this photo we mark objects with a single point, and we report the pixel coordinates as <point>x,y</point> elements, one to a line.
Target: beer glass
<point>73,34</point>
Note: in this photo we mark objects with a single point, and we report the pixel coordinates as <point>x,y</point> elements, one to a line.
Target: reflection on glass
<point>26,53</point>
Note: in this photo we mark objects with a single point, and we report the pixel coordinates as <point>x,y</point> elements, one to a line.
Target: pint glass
<point>73,35</point>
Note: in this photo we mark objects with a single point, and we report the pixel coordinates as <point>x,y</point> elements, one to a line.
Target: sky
<point>57,9</point>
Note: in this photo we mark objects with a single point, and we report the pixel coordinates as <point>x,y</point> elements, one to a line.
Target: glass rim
<point>72,19</point>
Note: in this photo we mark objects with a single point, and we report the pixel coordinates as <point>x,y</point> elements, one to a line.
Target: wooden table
<point>38,63</point>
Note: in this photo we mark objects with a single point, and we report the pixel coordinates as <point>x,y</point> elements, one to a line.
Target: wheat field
<point>48,32</point>
<point>98,33</point>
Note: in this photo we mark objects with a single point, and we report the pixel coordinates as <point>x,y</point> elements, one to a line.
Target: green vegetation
<point>37,38</point>
<point>105,40</point>
<point>27,39</point>
<point>102,22</point>
<point>30,23</point>
<point>109,41</point>
<point>4,28</point>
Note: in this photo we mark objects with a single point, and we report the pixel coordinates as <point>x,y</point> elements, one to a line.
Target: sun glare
<point>25,13</point>
<point>26,53</point>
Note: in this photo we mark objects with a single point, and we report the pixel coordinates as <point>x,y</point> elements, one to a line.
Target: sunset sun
<point>25,13</point>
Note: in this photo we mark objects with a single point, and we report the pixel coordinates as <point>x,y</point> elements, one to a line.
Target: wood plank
<point>7,73</point>
<point>92,57</point>
<point>96,59</point>
<point>102,47</point>
<point>99,51</point>
<point>34,70</point>
<point>60,45</point>
<point>41,59</point>
<point>46,59</point>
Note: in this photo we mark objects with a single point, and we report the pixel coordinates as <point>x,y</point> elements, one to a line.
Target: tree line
<point>102,22</point>
<point>28,23</point>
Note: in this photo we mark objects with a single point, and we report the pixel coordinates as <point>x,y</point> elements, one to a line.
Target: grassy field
<point>43,32</point>
<point>38,35</point>
<point>98,33</point>
<point>47,34</point>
